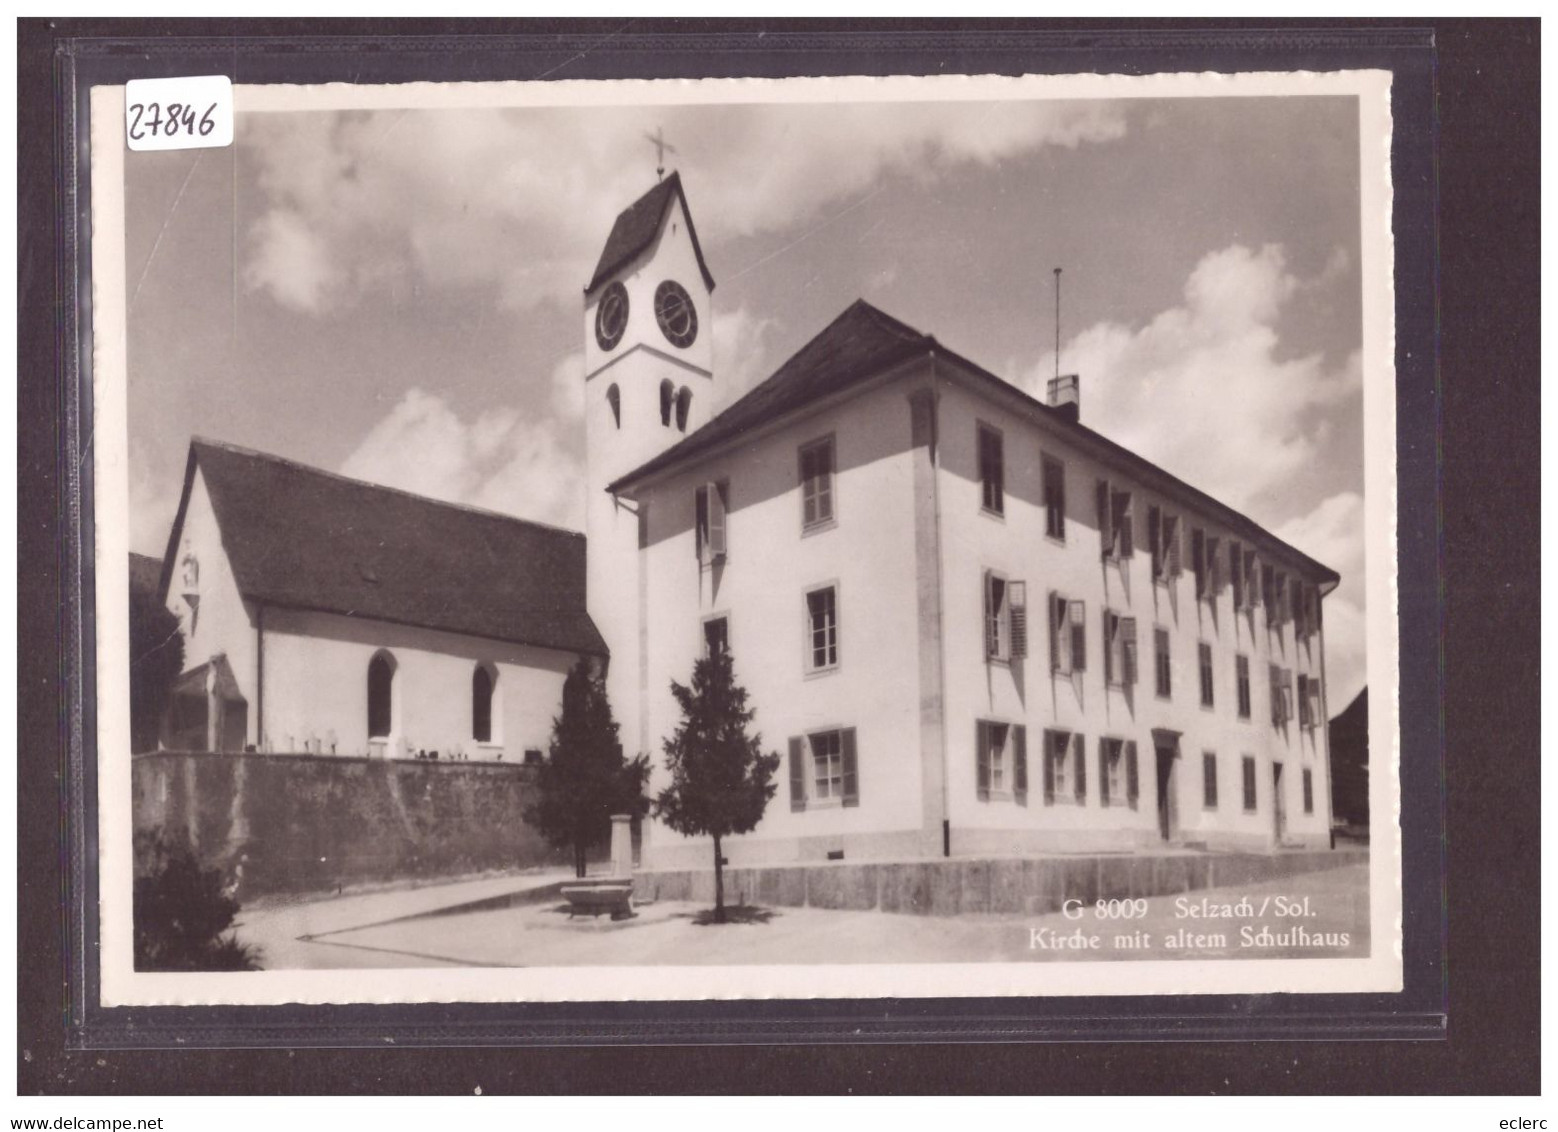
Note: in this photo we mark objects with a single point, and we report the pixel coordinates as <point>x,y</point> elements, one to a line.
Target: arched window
<point>483,680</point>
<point>683,403</point>
<point>614,399</point>
<point>667,395</point>
<point>381,695</point>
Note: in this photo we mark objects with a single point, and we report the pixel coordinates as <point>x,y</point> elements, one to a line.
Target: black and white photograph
<point>747,539</point>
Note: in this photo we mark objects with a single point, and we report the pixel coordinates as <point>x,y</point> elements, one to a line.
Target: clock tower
<point>648,379</point>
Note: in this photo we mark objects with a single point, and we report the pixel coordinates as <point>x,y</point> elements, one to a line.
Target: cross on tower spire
<point>662,147</point>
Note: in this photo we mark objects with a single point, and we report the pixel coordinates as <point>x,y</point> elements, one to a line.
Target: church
<point>326,616</point>
<point>970,624</point>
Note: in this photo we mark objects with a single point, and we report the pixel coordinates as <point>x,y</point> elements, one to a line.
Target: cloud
<point>1246,419</point>
<point>1332,533</point>
<point>520,200</point>
<point>497,461</point>
<point>741,354</point>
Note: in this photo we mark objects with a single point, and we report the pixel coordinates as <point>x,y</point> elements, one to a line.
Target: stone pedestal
<point>621,846</point>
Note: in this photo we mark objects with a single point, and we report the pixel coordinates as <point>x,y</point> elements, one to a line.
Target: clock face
<point>675,313</point>
<point>611,316</point>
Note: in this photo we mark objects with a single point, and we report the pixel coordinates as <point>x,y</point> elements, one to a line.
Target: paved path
<point>542,935</point>
<point>283,930</point>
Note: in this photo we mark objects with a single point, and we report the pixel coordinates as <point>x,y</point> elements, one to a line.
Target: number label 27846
<point>182,113</point>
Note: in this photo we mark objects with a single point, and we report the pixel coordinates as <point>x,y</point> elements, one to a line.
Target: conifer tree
<point>585,778</point>
<point>721,781</point>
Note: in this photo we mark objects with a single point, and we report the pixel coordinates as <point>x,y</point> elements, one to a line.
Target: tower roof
<point>636,228</point>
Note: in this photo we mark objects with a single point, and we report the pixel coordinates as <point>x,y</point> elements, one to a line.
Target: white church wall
<point>316,685</point>
<point>221,624</point>
<point>868,553</point>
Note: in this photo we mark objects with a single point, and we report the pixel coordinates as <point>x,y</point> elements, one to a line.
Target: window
<point>1309,791</point>
<point>1116,522</point>
<point>683,404</point>
<point>827,758</point>
<point>817,483</point>
<point>1248,764</point>
<point>1119,649</point>
<point>1316,704</point>
<point>824,769</point>
<point>1268,592</point>
<point>1065,766</point>
<point>1054,477</point>
<point>1001,756</point>
<point>1209,779</point>
<point>482,682</point>
<point>614,399</point>
<point>1163,543</point>
<point>710,506</point>
<point>667,396</point>
<point>998,618</point>
<point>381,703</point>
<point>1303,701</point>
<point>1242,673</point>
<point>822,629</point>
<point>1160,649</point>
<point>1116,772</point>
<point>1204,652</point>
<point>1281,696</point>
<point>1205,564</point>
<point>1251,579</point>
<point>716,636</point>
<point>1067,635</point>
<point>992,471</point>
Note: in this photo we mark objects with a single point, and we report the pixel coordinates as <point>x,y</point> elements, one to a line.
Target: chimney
<point>1065,395</point>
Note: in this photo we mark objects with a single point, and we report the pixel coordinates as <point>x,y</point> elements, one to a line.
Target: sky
<point>397,295</point>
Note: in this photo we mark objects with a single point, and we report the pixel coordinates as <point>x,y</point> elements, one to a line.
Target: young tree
<point>585,779</point>
<point>156,659</point>
<point>720,779</point>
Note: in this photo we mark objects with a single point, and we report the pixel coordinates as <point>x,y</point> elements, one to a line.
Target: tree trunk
<point>578,860</point>
<point>719,885</point>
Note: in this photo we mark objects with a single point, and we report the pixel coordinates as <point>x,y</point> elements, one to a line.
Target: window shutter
<point>1132,782</point>
<point>1103,773</point>
<point>1110,628</point>
<point>1214,566</point>
<point>797,774</point>
<point>1198,560</point>
<point>1171,536</point>
<point>851,768</point>
<point>982,757</point>
<point>1128,632</point>
<point>1020,763</point>
<point>1056,612</point>
<point>701,523</point>
<point>1105,519</point>
<point>716,493</point>
<point>1078,636</point>
<point>1079,745</point>
<point>1049,767</point>
<point>1155,539</point>
<point>1125,523</point>
<point>1303,700</point>
<point>1017,611</point>
<point>992,641</point>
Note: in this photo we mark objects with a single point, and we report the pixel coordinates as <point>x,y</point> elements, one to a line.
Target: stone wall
<point>952,887</point>
<point>304,823</point>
